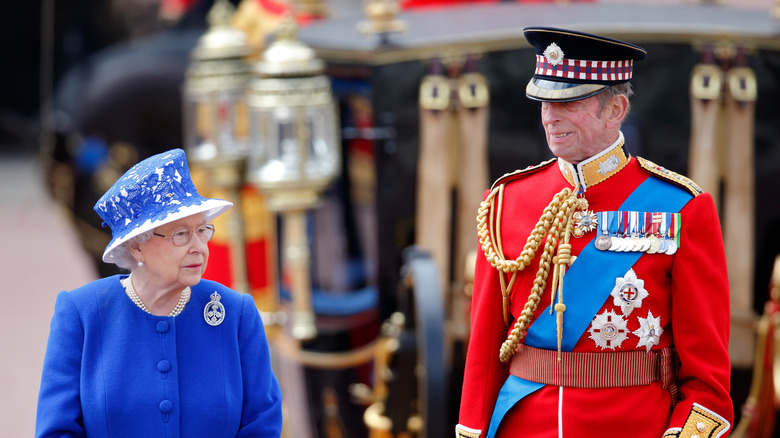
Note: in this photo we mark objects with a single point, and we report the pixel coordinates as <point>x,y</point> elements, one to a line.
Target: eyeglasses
<point>183,236</point>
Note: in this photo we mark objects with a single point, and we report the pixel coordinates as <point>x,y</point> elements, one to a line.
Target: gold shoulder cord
<point>555,219</point>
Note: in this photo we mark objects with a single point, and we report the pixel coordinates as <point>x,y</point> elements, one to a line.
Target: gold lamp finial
<point>381,18</point>
<point>288,29</point>
<point>220,13</point>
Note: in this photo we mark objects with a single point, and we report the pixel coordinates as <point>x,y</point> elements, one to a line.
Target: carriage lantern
<point>215,108</point>
<point>295,152</point>
<point>216,118</point>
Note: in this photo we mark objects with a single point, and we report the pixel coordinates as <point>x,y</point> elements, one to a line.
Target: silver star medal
<point>629,292</point>
<point>584,222</point>
<point>214,312</point>
<point>649,331</point>
<point>608,330</point>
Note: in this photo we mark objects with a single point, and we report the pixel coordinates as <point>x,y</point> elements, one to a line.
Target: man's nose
<point>550,112</point>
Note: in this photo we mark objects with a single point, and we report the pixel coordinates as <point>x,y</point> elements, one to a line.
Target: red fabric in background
<point>219,264</point>
<point>417,4</point>
<point>260,264</point>
<point>176,8</point>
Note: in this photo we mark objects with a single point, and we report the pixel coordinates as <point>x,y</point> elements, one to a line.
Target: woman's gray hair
<point>122,256</point>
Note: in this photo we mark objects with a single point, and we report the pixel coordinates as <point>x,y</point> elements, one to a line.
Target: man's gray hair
<point>605,96</point>
<point>122,256</point>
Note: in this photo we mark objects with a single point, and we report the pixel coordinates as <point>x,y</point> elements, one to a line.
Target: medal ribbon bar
<point>621,226</point>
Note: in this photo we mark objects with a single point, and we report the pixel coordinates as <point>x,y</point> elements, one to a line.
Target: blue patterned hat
<point>154,192</point>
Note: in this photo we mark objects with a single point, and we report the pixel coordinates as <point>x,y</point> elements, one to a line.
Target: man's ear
<point>617,109</point>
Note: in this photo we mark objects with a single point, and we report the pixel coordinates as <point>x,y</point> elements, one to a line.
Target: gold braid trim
<point>462,431</point>
<point>555,218</point>
<point>672,433</point>
<point>703,422</point>
<point>670,176</point>
<point>508,177</point>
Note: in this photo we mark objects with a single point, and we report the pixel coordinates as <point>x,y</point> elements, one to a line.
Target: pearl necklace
<point>130,291</point>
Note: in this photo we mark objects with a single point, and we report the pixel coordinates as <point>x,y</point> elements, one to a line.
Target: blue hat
<point>573,65</point>
<point>154,192</point>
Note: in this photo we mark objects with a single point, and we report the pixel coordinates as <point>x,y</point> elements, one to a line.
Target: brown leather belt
<point>596,370</point>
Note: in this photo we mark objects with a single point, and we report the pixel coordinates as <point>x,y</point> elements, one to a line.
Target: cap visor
<point>556,91</point>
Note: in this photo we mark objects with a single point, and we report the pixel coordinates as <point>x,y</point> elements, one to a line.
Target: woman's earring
<point>140,263</point>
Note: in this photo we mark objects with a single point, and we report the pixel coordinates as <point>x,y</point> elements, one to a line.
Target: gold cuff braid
<point>702,422</point>
<point>466,432</point>
<point>672,433</point>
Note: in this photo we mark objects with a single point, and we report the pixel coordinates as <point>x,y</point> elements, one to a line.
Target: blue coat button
<point>163,366</point>
<point>166,406</point>
<point>162,326</point>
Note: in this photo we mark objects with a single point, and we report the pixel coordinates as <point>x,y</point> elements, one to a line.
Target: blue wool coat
<point>113,370</point>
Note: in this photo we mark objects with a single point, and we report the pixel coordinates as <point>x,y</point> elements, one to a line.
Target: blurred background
<point>363,133</point>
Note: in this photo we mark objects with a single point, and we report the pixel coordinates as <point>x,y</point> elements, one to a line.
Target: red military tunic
<point>686,293</point>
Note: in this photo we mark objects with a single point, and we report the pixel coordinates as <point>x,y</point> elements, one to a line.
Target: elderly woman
<point>160,352</point>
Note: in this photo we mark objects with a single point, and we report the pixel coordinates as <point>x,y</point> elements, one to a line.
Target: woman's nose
<point>198,245</point>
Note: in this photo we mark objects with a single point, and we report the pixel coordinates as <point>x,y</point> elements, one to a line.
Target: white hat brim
<point>210,208</point>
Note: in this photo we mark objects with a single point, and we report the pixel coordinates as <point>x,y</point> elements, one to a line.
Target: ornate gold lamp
<point>381,18</point>
<point>215,109</point>
<point>295,152</point>
<point>216,126</point>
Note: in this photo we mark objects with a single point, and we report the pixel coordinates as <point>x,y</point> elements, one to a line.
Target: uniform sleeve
<point>59,403</point>
<point>484,373</point>
<point>700,324</point>
<point>262,409</point>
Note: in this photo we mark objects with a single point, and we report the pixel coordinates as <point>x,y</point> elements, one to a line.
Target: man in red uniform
<point>600,304</point>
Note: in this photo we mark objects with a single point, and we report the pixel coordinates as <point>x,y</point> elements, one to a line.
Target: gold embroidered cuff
<point>462,431</point>
<point>672,433</point>
<point>702,422</point>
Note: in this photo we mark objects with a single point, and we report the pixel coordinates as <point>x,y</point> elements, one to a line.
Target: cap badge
<point>608,330</point>
<point>649,331</point>
<point>553,54</point>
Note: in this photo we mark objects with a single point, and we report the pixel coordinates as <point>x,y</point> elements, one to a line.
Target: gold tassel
<point>563,260</point>
<point>554,288</point>
<point>564,255</point>
<point>559,309</point>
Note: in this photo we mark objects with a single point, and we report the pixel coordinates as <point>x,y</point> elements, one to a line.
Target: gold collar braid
<point>597,168</point>
<point>556,220</point>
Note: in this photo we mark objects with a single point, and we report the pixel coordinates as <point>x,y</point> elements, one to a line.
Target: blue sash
<point>594,271</point>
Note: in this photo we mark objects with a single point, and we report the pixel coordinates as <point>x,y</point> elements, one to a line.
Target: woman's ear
<point>135,250</point>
